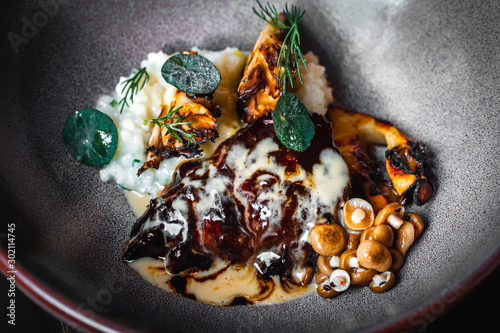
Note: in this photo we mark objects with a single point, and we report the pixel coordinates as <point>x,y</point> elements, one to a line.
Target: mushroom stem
<point>358,215</point>
<point>395,221</point>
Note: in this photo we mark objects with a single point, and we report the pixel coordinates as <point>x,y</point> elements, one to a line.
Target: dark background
<point>478,311</point>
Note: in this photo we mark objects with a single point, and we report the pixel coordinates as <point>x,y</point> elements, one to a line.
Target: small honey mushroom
<point>348,260</point>
<point>353,241</point>
<point>373,255</point>
<point>328,239</point>
<point>381,233</point>
<point>320,277</point>
<point>359,275</point>
<point>326,265</point>
<point>340,280</point>
<point>397,260</point>
<point>325,290</point>
<point>358,214</point>
<point>392,214</point>
<point>416,220</point>
<point>412,228</point>
<point>362,276</point>
<point>382,282</point>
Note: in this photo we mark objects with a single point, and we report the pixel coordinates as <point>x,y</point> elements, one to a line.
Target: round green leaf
<point>191,73</point>
<point>90,136</point>
<point>292,123</point>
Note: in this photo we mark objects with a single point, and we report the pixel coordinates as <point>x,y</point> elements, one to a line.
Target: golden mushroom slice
<point>259,89</point>
<point>185,122</point>
<point>391,214</point>
<point>358,214</point>
<point>355,134</point>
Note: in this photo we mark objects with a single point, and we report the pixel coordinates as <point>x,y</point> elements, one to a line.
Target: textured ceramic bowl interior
<point>431,68</point>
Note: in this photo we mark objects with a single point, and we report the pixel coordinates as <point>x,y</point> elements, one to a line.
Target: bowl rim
<point>69,312</point>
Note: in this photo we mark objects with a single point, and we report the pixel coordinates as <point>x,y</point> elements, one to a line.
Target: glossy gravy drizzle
<point>234,228</point>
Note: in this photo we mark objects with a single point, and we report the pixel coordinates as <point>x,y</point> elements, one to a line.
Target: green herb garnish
<point>133,86</point>
<point>191,73</point>
<point>292,122</point>
<point>90,136</point>
<point>291,43</point>
<point>173,128</point>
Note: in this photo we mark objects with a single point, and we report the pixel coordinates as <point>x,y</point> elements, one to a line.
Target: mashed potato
<point>134,127</point>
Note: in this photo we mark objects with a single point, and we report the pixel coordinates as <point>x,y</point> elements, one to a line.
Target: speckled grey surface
<point>432,69</point>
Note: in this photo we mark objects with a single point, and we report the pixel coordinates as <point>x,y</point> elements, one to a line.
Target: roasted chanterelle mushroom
<point>355,134</point>
<point>259,89</point>
<point>186,121</point>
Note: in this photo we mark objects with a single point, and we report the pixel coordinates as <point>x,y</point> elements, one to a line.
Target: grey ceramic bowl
<point>431,68</point>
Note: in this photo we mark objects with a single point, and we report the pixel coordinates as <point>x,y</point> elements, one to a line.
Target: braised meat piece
<point>253,202</point>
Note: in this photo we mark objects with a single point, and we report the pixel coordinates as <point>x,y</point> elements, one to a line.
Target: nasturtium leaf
<point>292,123</point>
<point>191,73</point>
<point>90,136</point>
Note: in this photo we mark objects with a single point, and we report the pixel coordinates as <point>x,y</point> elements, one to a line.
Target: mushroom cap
<point>358,214</point>
<point>416,220</point>
<point>394,210</point>
<point>374,255</point>
<point>381,233</point>
<point>320,277</point>
<point>325,290</point>
<point>382,282</point>
<point>397,260</point>
<point>340,280</point>
<point>348,260</point>
<point>328,239</point>
<point>324,265</point>
<point>362,276</point>
<point>405,236</point>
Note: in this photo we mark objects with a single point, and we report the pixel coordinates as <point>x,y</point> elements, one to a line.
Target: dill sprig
<point>291,43</point>
<point>173,128</point>
<point>133,86</point>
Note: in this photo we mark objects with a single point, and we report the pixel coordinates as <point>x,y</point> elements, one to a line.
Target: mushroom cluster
<point>366,250</point>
